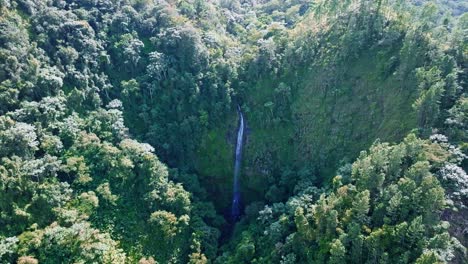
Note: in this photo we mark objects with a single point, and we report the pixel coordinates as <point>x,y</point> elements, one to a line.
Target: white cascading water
<point>235,211</point>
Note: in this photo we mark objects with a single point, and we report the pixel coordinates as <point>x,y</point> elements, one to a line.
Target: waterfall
<point>235,211</point>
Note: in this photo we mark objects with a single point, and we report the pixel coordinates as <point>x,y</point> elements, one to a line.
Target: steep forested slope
<point>84,83</point>
<point>337,82</point>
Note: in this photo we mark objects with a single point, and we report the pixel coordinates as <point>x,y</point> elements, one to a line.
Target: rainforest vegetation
<point>119,127</point>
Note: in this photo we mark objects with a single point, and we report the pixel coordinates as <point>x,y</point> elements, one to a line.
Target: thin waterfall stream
<point>235,210</point>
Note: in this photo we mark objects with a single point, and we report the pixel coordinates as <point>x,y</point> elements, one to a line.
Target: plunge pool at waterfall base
<point>228,228</point>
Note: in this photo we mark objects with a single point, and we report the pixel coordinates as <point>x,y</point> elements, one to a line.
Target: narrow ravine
<point>235,210</point>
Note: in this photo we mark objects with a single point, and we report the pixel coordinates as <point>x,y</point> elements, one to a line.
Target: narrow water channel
<point>235,210</point>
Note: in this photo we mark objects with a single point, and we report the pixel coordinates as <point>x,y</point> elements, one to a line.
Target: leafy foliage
<point>84,83</point>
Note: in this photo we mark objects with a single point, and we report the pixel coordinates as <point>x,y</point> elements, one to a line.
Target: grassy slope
<point>215,162</point>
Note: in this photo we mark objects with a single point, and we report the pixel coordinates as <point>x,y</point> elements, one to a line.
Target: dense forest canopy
<point>118,125</point>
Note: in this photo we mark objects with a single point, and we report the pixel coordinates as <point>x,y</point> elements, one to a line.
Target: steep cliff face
<point>311,121</point>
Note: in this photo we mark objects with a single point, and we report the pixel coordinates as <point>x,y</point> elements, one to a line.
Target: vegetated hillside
<point>82,83</point>
<point>335,84</point>
<point>457,7</point>
<point>312,123</point>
